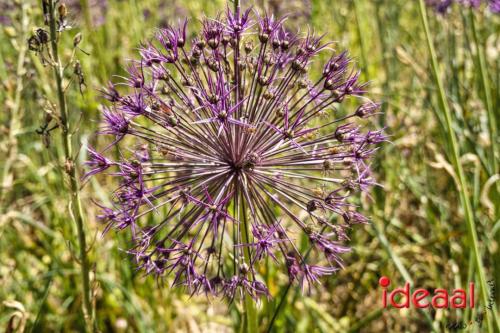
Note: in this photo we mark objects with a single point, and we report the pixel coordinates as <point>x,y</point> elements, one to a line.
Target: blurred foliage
<point>417,229</point>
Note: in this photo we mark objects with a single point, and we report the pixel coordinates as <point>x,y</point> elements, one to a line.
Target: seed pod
<point>248,46</point>
<point>197,52</point>
<point>367,109</point>
<point>285,45</point>
<point>263,37</point>
<point>213,43</point>
<point>63,11</point>
<point>42,35</point>
<point>200,44</point>
<point>302,84</point>
<point>312,206</point>
<point>263,80</point>
<point>268,95</point>
<point>172,120</point>
<point>297,65</point>
<point>276,43</point>
<point>327,164</point>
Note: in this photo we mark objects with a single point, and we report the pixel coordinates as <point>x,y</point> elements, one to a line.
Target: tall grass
<point>432,224</point>
<point>457,163</point>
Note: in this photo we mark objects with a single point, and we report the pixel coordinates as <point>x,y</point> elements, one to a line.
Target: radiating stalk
<point>462,184</point>
<point>481,61</point>
<point>76,211</point>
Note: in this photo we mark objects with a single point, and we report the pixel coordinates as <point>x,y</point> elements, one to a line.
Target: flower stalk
<point>75,200</point>
<point>251,324</point>
<point>455,155</point>
<point>249,305</point>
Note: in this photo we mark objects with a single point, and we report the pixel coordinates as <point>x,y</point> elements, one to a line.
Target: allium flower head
<point>230,154</point>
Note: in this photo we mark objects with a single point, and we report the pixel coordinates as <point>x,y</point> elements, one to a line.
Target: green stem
<point>481,60</point>
<point>251,324</point>
<point>384,45</point>
<point>249,304</point>
<point>75,202</point>
<point>462,184</point>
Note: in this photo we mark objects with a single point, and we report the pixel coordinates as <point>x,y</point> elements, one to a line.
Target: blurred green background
<point>418,231</point>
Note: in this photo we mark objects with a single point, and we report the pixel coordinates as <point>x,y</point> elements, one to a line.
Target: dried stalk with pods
<point>46,44</point>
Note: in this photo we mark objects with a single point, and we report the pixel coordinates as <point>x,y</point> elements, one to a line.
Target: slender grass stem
<point>75,204</point>
<point>95,41</point>
<point>278,308</point>
<point>481,61</point>
<point>385,63</point>
<point>462,184</point>
<point>362,43</point>
<point>15,113</point>
<point>87,16</point>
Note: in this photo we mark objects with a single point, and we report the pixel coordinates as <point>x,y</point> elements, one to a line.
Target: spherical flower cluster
<point>228,155</point>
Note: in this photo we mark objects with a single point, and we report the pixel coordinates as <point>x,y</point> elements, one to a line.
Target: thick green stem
<point>76,211</point>
<point>455,155</point>
<point>251,325</point>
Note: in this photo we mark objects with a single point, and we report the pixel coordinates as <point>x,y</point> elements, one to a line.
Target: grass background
<point>418,231</point>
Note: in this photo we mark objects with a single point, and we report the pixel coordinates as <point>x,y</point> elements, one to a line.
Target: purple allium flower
<point>494,6</point>
<point>230,153</point>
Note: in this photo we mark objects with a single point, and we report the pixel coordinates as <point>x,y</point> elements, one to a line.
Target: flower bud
<point>263,37</point>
